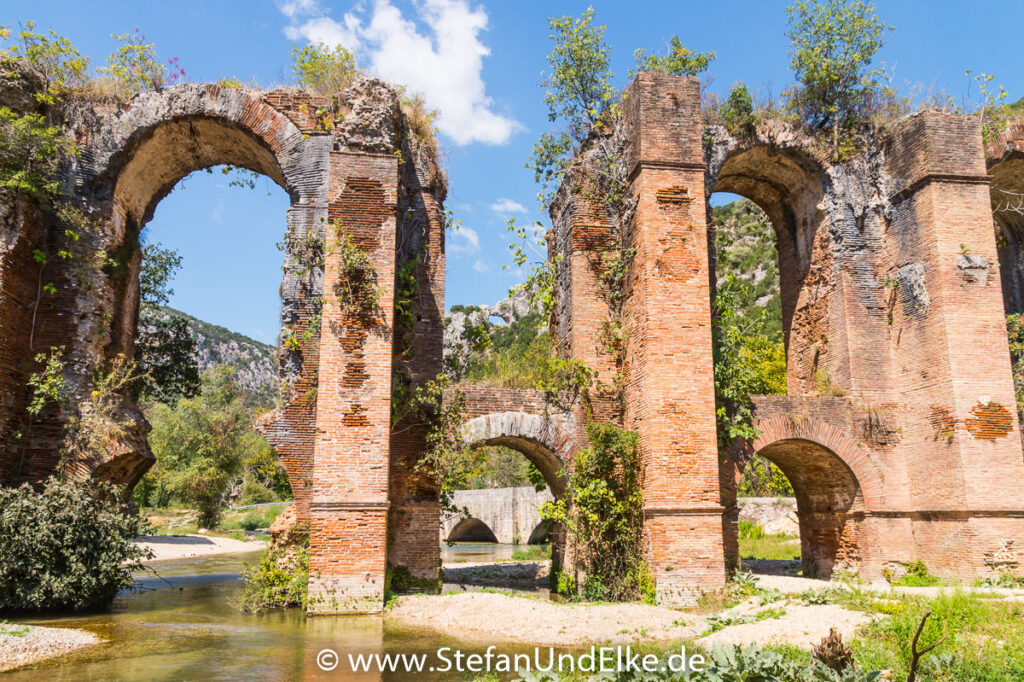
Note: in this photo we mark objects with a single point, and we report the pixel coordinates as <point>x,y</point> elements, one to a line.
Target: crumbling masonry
<point>899,432</point>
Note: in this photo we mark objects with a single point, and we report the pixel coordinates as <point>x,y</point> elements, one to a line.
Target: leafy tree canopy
<point>679,60</point>
<point>833,43</point>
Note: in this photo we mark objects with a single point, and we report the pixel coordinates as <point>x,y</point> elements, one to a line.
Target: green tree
<point>579,92</point>
<point>202,445</point>
<point>832,45</point>
<point>31,152</point>
<point>57,63</point>
<point>679,60</point>
<point>750,359</point>
<point>164,348</point>
<point>737,111</point>
<point>323,69</point>
<point>133,67</point>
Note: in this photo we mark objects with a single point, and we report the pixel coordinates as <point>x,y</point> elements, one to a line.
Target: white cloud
<point>217,214</point>
<point>444,64</point>
<point>465,240</point>
<point>505,206</point>
<point>292,8</point>
<point>481,266</point>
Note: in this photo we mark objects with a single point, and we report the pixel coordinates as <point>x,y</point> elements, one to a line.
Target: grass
<point>985,638</point>
<point>13,630</point>
<point>785,547</point>
<point>756,544</point>
<point>531,553</point>
<point>233,523</point>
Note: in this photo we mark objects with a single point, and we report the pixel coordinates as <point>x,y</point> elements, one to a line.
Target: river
<point>180,625</point>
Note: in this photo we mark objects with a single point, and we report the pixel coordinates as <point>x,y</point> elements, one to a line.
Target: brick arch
<point>779,171</point>
<point>834,483</point>
<point>834,441</point>
<point>546,445</point>
<point>1004,159</point>
<point>137,154</point>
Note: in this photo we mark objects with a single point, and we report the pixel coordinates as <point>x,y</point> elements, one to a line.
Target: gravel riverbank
<point>24,644</point>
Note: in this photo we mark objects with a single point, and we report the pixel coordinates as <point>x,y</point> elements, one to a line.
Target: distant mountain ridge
<point>215,345</point>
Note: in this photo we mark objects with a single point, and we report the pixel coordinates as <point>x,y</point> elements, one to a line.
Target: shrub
<point>737,111</point>
<point>915,575</point>
<point>679,60</point>
<point>750,530</point>
<point>323,69</point>
<point>278,581</point>
<point>66,546</point>
<point>602,513</point>
<point>252,522</point>
<point>133,66</point>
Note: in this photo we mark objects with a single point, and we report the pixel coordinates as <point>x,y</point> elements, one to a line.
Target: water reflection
<point>181,626</point>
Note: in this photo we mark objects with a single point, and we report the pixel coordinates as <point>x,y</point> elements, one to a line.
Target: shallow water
<point>181,626</point>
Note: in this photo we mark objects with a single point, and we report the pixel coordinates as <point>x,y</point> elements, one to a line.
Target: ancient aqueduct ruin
<point>919,458</point>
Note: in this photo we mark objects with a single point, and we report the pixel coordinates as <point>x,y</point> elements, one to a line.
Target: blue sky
<point>480,64</point>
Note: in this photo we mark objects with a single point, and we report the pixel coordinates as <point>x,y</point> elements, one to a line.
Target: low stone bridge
<point>505,515</point>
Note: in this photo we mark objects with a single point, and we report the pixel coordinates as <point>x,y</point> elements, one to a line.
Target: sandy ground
<point>166,547</point>
<point>38,643</point>
<point>509,618</point>
<point>492,617</point>
<point>802,626</point>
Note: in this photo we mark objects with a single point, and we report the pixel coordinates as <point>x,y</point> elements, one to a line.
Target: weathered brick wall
<point>920,458</point>
<point>349,507</point>
<point>417,358</point>
<point>21,231</point>
<point>669,388</point>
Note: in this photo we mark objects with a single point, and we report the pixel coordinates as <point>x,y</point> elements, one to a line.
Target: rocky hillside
<point>745,249</point>
<point>469,334</point>
<point>215,345</point>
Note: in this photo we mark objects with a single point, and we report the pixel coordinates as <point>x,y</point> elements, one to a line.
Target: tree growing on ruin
<point>323,69</point>
<point>832,46</point>
<point>679,60</point>
<point>579,94</point>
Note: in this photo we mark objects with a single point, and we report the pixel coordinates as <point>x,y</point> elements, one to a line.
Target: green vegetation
<point>832,45</point>
<point>1015,334</point>
<point>602,516</point>
<point>679,60</point>
<point>750,357</point>
<point>985,642</point>
<point>65,545</point>
<point>164,348</point>
<point>208,453</point>
<point>279,580</point>
<point>323,69</point>
<point>580,92</point>
<point>133,66</point>
<point>915,575</point>
<point>184,521</point>
<point>774,547</point>
<point>13,630</point>
<point>356,286</point>
<point>737,112</point>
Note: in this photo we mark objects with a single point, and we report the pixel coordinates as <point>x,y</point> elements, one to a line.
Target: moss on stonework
<point>400,579</point>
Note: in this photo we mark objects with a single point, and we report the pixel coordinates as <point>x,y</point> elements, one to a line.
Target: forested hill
<point>215,345</point>
<point>745,250</point>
